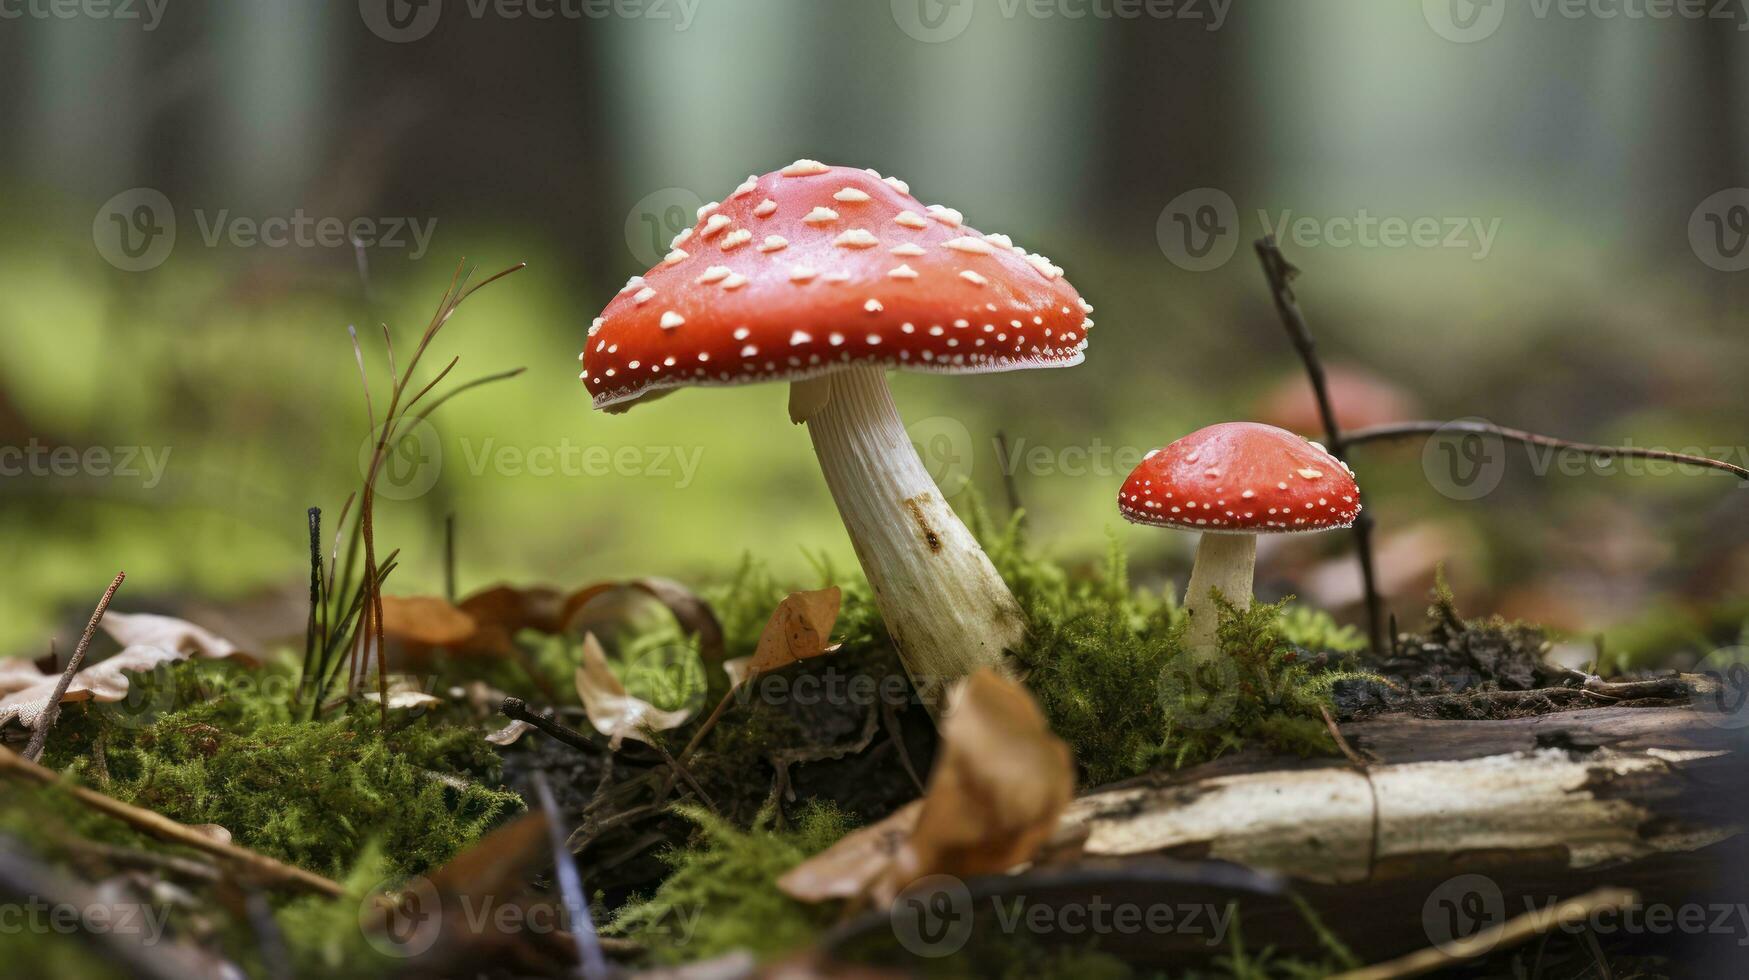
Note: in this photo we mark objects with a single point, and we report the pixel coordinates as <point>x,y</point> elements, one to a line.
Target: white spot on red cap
<point>821,216</point>
<point>911,219</point>
<point>950,217</point>
<point>902,272</point>
<point>851,195</point>
<point>773,243</point>
<point>856,238</point>
<point>804,168</point>
<point>670,320</point>
<point>972,277</point>
<point>765,209</point>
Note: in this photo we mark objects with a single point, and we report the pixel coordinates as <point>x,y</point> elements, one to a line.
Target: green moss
<point>310,793</point>
<point>722,894</point>
<point>1108,665</point>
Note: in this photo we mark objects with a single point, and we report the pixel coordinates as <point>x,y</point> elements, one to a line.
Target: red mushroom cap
<point>1241,478</point>
<point>810,268</point>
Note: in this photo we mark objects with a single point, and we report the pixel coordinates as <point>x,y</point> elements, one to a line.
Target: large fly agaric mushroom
<point>828,277</point>
<point>1232,482</point>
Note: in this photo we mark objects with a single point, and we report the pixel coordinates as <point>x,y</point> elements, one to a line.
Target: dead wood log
<point>1524,811</point>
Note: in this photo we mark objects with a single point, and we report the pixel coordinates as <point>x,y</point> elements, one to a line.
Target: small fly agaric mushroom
<point>828,277</point>
<point>1232,482</point>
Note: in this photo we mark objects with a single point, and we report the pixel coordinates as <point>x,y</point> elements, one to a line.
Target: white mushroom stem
<point>1225,562</point>
<point>945,607</point>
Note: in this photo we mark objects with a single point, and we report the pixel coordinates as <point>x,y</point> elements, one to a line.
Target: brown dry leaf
<point>1000,783</point>
<point>102,681</point>
<point>611,710</point>
<point>17,673</point>
<point>797,630</point>
<point>170,633</point>
<point>429,620</point>
<point>850,867</point>
<point>693,613</point>
<point>536,608</point>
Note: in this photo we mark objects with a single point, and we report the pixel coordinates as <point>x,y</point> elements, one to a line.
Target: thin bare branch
<point>39,735</point>
<point>1408,430</point>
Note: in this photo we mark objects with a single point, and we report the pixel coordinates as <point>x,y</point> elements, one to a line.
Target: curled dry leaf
<point>691,611</point>
<point>797,630</point>
<point>611,710</point>
<point>170,633</point>
<point>105,680</point>
<point>1000,784</point>
<point>430,620</point>
<point>510,733</point>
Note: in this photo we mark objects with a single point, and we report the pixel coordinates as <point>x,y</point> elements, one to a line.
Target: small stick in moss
<point>1008,485</point>
<point>259,866</point>
<point>517,709</point>
<point>1341,742</point>
<point>39,736</point>
<point>655,742</point>
<point>449,557</point>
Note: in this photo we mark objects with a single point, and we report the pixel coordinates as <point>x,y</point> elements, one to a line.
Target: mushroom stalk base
<point>945,607</point>
<point>1225,562</point>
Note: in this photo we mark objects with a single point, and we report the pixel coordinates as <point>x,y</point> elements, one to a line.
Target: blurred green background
<point>1585,174</point>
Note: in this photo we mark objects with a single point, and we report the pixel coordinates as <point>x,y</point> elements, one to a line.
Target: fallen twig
<point>39,735</point>
<point>157,825</point>
<point>1280,273</point>
<point>1510,933</point>
<point>517,709</point>
<point>1406,430</point>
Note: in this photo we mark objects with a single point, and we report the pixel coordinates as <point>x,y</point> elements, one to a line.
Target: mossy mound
<point>310,793</point>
